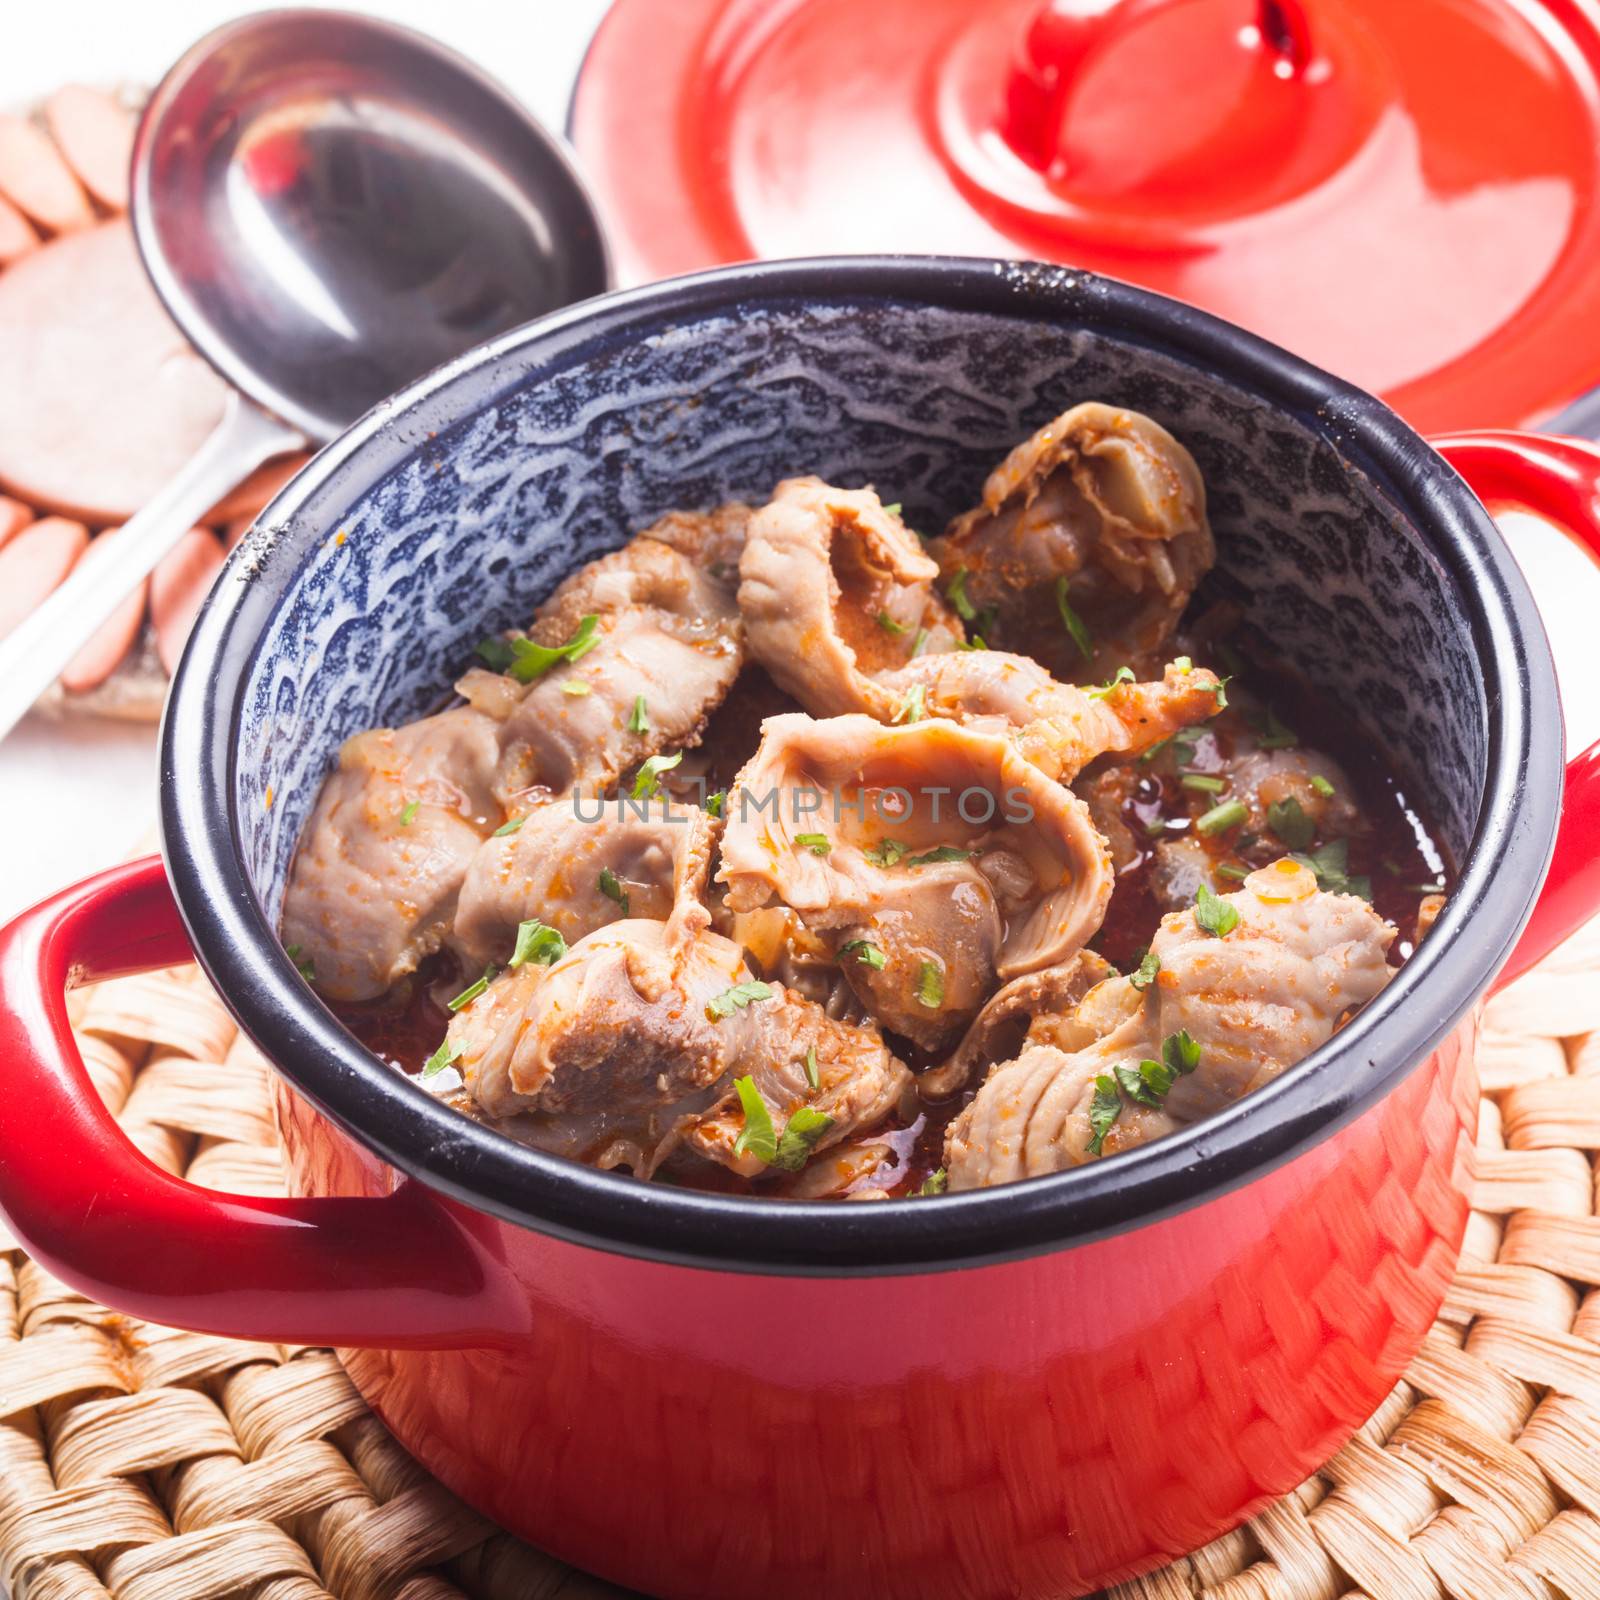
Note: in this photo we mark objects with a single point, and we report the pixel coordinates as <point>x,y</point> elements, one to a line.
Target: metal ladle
<point>328,206</point>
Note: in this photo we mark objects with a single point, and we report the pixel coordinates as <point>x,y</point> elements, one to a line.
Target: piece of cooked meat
<point>579,864</point>
<point>1057,726</point>
<point>935,859</point>
<point>621,1053</point>
<point>382,857</point>
<point>1254,1000</point>
<point>833,590</point>
<point>1106,500</point>
<point>713,540</point>
<point>666,648</point>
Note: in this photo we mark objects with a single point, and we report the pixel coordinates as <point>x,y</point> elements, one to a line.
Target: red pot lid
<point>1403,191</point>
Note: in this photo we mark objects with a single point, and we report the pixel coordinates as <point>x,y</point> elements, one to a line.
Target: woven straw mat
<point>143,1463</point>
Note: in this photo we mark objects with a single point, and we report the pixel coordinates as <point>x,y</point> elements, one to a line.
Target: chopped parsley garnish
<point>537,943</point>
<point>866,952</point>
<point>715,802</point>
<point>1147,1082</point>
<point>639,717</point>
<point>1182,743</point>
<point>1123,675</point>
<point>1180,1052</point>
<point>472,991</point>
<point>1072,622</point>
<point>441,1058</point>
<point>307,968</point>
<point>1145,973</point>
<point>575,687</point>
<point>1220,690</point>
<point>526,661</point>
<point>509,827</point>
<point>805,1126</point>
<point>1203,783</point>
<point>1331,864</point>
<point>944,852</point>
<point>1274,734</point>
<point>886,852</point>
<point>889,625</point>
<point>409,815</point>
<point>930,985</point>
<point>1213,914</point>
<point>920,643</point>
<point>612,889</point>
<point>1228,869</point>
<point>911,708</point>
<point>737,998</point>
<point>1322,786</point>
<point>813,1076</point>
<point>937,1182</point>
<point>648,778</point>
<point>756,1138</point>
<point>956,593</point>
<point>816,843</point>
<point>1288,820</point>
<point>1104,1110</point>
<point>1220,818</point>
<point>976,642</point>
<point>893,509</point>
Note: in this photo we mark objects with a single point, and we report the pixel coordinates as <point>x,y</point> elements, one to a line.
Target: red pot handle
<point>1557,479</point>
<point>87,1205</point>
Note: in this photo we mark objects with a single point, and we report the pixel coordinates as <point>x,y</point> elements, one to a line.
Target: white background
<point>76,797</point>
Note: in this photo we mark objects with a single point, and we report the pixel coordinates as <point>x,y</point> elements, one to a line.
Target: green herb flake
<point>440,1059</point>
<point>612,889</point>
<point>1322,786</point>
<point>508,827</point>
<point>756,1138</point>
<point>1104,1109</point>
<point>472,991</point>
<point>1180,1054</point>
<point>889,625</point>
<point>1145,973</point>
<point>1133,1083</point>
<point>893,509</point>
<point>527,661</point>
<point>1123,675</point>
<point>1203,783</point>
<point>409,815</point>
<point>800,1135</point>
<point>1213,914</point>
<point>886,853</point>
<point>865,952</point>
<point>816,843</point>
<point>1220,690</point>
<point>648,778</point>
<point>1331,864</point>
<point>937,1182</point>
<point>1184,664</point>
<point>716,802</point>
<point>639,717</point>
<point>920,643</point>
<point>737,998</point>
<point>912,707</point>
<point>945,852</point>
<point>976,642</point>
<point>813,1074</point>
<point>1156,1078</point>
<point>538,943</point>
<point>930,985</point>
<point>1288,820</point>
<point>306,968</point>
<point>1274,734</point>
<point>1072,622</point>
<point>956,593</point>
<point>1231,871</point>
<point>1220,818</point>
<point>575,687</point>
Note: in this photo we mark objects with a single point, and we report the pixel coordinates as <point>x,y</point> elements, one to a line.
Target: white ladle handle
<point>35,652</point>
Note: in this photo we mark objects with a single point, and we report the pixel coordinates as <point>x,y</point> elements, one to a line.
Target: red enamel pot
<point>1029,1391</point>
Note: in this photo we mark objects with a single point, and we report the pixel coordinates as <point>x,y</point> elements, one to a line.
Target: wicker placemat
<point>143,1463</point>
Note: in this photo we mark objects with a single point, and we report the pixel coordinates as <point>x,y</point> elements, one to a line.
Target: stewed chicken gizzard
<point>791,854</point>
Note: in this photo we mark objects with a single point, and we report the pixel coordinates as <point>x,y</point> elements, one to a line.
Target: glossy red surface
<point>1403,192</point>
<point>1037,1428</point>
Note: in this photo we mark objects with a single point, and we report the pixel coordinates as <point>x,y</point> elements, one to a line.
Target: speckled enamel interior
<point>481,521</point>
